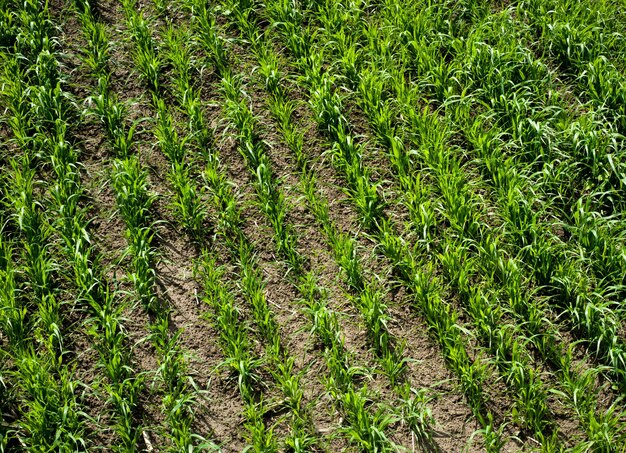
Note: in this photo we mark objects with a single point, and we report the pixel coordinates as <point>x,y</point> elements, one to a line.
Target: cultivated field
<point>313,225</point>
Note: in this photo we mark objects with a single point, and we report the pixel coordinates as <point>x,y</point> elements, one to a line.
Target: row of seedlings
<point>584,40</point>
<point>458,203</point>
<point>470,132</point>
<point>261,437</point>
<point>239,354</point>
<point>537,256</point>
<point>369,299</point>
<point>134,201</point>
<point>50,136</point>
<point>150,62</point>
<point>592,312</point>
<point>509,274</point>
<point>363,427</point>
<point>516,209</point>
<point>440,316</point>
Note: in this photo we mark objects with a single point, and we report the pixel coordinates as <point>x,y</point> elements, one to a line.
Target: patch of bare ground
<point>621,331</point>
<point>219,409</point>
<point>426,369</point>
<point>78,343</point>
<point>93,398</point>
<point>8,148</point>
<point>198,339</point>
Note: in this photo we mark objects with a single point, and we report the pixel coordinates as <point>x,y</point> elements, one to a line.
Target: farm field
<point>313,226</point>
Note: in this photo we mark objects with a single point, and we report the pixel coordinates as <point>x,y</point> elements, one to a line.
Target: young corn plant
<point>179,54</point>
<point>240,358</point>
<point>187,204</point>
<point>133,199</point>
<point>270,198</point>
<point>145,53</point>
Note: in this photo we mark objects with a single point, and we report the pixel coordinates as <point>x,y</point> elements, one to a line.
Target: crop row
<point>326,106</point>
<point>368,299</point>
<point>459,216</point>
<point>240,357</point>
<point>134,201</point>
<point>362,427</point>
<point>41,125</point>
<point>524,188</point>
